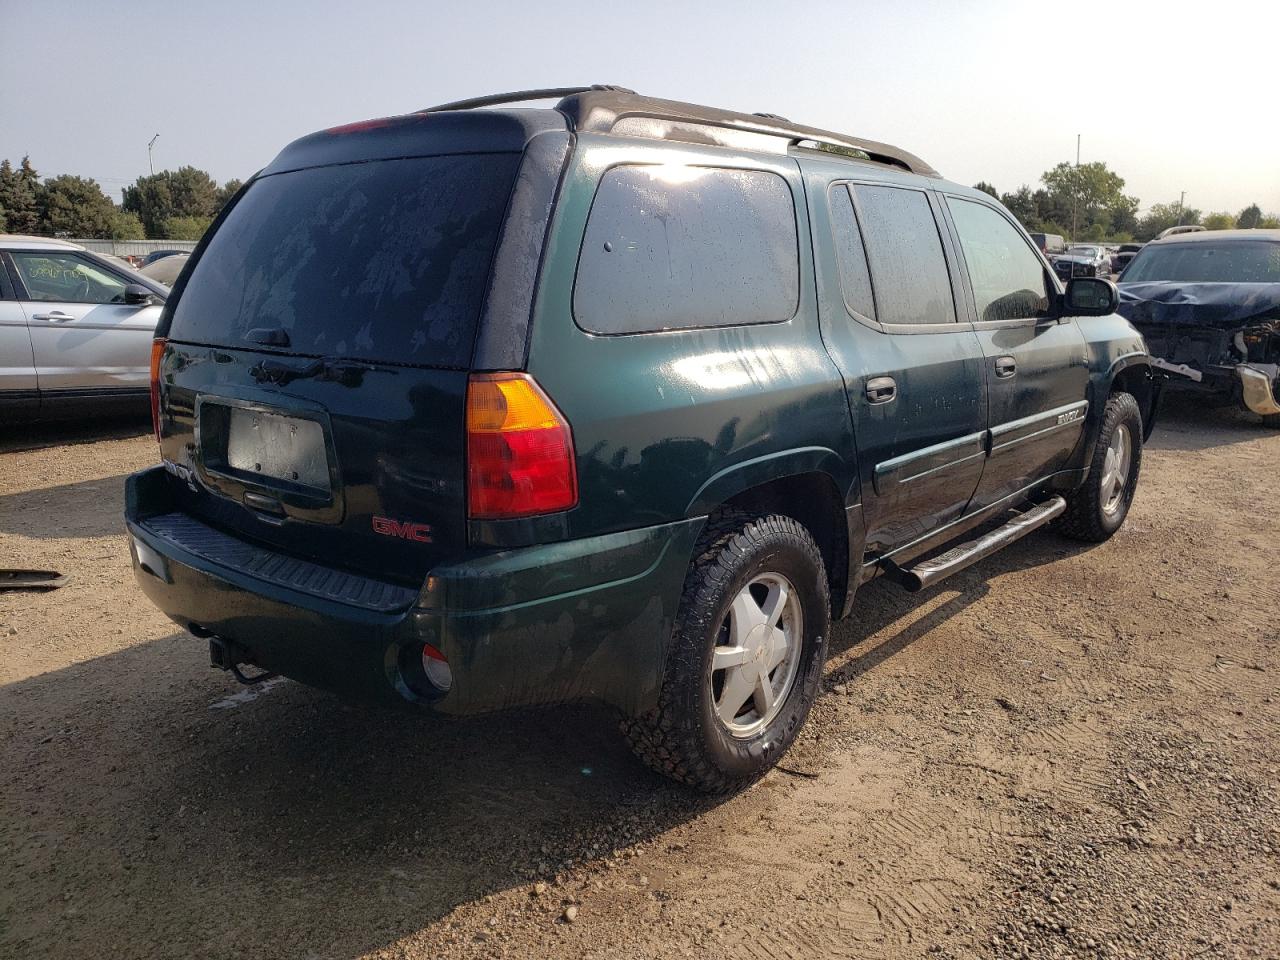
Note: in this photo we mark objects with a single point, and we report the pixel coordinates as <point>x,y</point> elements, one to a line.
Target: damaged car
<point>1208,304</point>
<point>1083,260</point>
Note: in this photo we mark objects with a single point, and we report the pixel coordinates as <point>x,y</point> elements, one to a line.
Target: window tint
<point>1008,279</point>
<point>67,278</point>
<point>855,281</point>
<point>674,247</point>
<point>1207,261</point>
<point>905,252</point>
<point>383,261</point>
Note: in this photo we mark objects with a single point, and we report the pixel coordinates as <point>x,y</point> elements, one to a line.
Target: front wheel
<point>1097,509</point>
<point>746,655</point>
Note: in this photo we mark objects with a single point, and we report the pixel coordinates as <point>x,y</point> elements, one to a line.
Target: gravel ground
<point>1062,752</point>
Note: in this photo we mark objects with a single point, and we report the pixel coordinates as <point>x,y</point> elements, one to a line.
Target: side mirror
<point>1090,297</point>
<point>135,294</point>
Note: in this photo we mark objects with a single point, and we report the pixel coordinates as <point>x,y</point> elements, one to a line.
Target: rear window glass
<point>905,252</point>
<point>676,247</point>
<point>383,261</point>
<point>1205,261</point>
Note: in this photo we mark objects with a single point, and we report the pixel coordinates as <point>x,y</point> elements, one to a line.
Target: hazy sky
<point>1173,96</point>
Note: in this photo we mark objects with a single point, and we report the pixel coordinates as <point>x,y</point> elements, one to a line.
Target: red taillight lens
<point>157,351</point>
<point>519,450</point>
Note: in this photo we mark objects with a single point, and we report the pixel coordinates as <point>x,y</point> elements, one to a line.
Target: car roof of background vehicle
<point>10,241</point>
<point>1208,236</point>
<point>461,126</point>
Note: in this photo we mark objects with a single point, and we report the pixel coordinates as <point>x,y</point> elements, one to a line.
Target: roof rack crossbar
<point>522,96</point>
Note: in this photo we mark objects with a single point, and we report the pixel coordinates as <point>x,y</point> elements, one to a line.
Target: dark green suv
<point>620,400</point>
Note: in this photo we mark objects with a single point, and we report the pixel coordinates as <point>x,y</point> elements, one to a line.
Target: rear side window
<point>671,248</point>
<point>905,252</point>
<point>855,280</point>
<point>384,261</point>
<point>1008,280</point>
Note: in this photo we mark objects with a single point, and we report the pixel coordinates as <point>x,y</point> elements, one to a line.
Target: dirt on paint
<point>1064,751</point>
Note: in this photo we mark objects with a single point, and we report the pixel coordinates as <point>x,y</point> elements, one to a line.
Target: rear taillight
<point>519,450</point>
<point>157,351</point>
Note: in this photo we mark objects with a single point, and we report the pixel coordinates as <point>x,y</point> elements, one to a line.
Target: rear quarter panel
<point>668,424</point>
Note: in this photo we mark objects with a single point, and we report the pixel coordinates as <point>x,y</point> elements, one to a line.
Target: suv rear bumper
<point>577,620</point>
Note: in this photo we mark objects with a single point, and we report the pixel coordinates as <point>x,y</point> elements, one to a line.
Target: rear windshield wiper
<point>345,372</point>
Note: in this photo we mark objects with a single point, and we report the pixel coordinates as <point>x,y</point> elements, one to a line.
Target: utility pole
<point>151,143</point>
<point>1075,193</point>
<point>1181,200</point>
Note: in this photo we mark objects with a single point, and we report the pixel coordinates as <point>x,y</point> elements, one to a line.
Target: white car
<point>75,330</point>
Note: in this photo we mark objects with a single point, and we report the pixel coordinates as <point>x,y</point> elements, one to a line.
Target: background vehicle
<point>621,401</point>
<point>1049,244</point>
<point>155,255</point>
<point>75,330</point>
<point>1124,256</point>
<point>1208,304</point>
<point>1179,229</point>
<point>1082,260</point>
<point>166,269</point>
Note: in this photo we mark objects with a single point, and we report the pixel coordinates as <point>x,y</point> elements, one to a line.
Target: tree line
<point>1092,198</point>
<point>180,204</point>
<point>170,205</point>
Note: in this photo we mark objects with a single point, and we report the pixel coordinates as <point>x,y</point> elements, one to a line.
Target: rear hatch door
<point>315,378</point>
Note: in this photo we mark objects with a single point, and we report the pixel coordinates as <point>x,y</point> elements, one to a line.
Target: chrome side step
<point>928,572</point>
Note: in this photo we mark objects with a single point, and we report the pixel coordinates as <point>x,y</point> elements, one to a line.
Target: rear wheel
<point>746,655</point>
<point>1098,508</point>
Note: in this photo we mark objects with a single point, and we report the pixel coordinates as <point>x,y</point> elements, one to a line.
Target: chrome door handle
<point>57,316</point>
<point>881,389</point>
<point>1006,367</point>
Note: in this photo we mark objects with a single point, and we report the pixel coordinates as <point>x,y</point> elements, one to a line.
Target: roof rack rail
<point>602,107</point>
<point>521,96</point>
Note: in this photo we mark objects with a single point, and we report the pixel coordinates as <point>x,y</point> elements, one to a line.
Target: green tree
<point>986,188</point>
<point>1090,194</point>
<point>1021,203</point>
<point>1270,222</point>
<point>20,196</point>
<point>72,206</point>
<point>169,195</point>
<point>1220,221</point>
<point>186,228</point>
<point>1249,217</point>
<point>1161,216</point>
<point>227,191</point>
<point>125,226</point>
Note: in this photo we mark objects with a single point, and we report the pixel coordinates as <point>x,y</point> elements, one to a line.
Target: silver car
<point>75,330</point>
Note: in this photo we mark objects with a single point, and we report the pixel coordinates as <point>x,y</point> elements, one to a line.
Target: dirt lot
<point>1061,752</point>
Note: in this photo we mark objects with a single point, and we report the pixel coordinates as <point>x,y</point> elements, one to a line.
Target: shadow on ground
<point>1193,421</point>
<point>16,437</point>
<point>145,807</point>
<point>68,510</point>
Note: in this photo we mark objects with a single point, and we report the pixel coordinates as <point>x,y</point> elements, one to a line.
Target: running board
<point>928,572</point>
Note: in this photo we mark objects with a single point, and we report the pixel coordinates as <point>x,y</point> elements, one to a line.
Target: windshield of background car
<point>1083,251</point>
<point>384,260</point>
<point>1204,261</point>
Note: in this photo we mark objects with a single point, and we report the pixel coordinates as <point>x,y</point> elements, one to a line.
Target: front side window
<point>67,278</point>
<point>1008,279</point>
<point>908,266</point>
<point>676,247</point>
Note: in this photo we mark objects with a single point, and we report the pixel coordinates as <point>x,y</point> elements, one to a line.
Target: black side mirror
<point>135,294</point>
<point>1090,297</point>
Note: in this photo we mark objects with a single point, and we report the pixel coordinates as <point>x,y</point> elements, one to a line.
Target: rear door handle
<point>55,315</point>
<point>1006,367</point>
<point>881,389</point>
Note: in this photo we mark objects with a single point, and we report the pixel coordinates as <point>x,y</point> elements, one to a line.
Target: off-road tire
<point>681,737</point>
<point>1085,519</point>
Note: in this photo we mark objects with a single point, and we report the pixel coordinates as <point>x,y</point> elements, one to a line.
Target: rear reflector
<point>157,353</point>
<point>436,667</point>
<point>520,458</point>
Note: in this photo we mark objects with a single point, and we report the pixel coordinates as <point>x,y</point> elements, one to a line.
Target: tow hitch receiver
<point>229,655</point>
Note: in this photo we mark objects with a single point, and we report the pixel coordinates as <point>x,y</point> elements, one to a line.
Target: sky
<point>1172,96</point>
